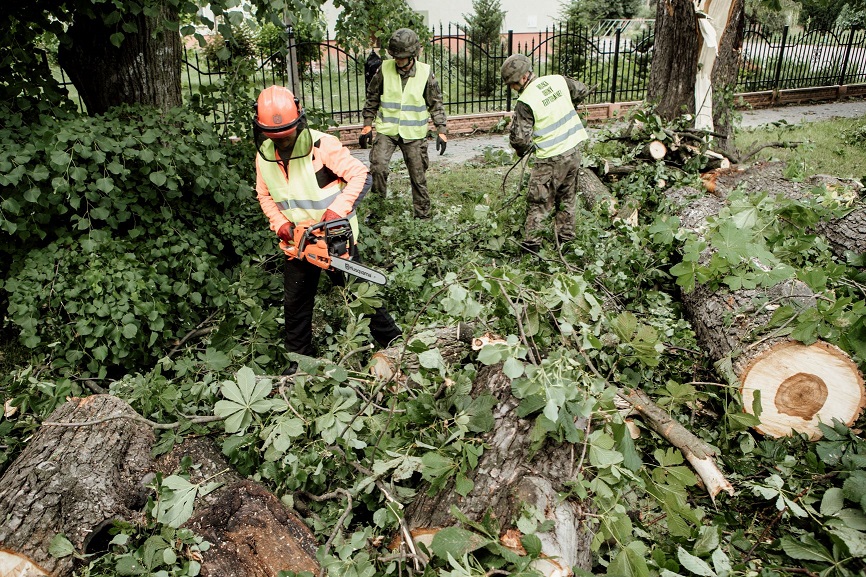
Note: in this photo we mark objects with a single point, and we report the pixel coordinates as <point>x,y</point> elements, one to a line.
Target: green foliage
<point>370,23</point>
<point>579,322</point>
<point>483,29</point>
<point>149,550</point>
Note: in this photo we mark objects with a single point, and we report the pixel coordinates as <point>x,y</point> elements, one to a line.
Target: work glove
<point>366,136</point>
<point>330,215</point>
<point>287,232</point>
<point>441,142</point>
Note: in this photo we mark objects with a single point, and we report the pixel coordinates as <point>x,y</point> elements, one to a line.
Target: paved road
<point>464,149</point>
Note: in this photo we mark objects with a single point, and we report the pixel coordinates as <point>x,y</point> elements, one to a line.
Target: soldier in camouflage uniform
<point>546,122</point>
<point>400,97</point>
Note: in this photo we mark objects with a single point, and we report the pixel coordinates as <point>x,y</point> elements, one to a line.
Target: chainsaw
<point>327,245</point>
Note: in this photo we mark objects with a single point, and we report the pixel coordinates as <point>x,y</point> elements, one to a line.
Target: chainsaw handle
<point>322,231</point>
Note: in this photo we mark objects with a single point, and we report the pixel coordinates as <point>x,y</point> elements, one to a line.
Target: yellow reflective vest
<point>557,127</point>
<point>299,197</point>
<point>402,110</point>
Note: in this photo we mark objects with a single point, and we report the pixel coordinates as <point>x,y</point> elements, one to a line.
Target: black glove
<point>440,145</point>
<point>365,139</point>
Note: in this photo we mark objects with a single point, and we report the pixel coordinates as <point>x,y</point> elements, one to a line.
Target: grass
<point>836,146</point>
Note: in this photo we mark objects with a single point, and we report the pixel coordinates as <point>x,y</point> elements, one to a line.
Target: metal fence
<point>616,65</point>
<point>802,60</point>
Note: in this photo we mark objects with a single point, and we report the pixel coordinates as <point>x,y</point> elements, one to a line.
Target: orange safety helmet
<point>278,113</point>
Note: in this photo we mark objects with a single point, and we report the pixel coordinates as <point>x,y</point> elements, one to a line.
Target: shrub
<point>112,301</point>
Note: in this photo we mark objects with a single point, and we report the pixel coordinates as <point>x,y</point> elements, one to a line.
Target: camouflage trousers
<point>552,191</point>
<point>417,161</point>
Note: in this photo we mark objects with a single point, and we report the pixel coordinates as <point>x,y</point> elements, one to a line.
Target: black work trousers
<point>300,284</point>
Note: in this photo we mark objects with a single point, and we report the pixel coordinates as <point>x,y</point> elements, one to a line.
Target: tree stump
<point>508,476</point>
<point>74,481</point>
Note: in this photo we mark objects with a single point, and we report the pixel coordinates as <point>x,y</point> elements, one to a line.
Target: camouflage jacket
<point>432,96</point>
<point>523,122</point>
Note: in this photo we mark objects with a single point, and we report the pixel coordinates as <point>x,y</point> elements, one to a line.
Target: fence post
<point>779,63</point>
<point>508,88</point>
<point>615,67</point>
<point>291,60</point>
<point>847,56</point>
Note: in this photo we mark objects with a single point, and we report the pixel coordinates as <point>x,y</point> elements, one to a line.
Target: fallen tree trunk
<point>798,386</point>
<point>89,465</point>
<point>74,481</point>
<point>844,234</point>
<point>508,476</point>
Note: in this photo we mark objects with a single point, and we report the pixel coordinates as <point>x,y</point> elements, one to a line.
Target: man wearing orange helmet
<point>303,174</point>
<point>400,97</point>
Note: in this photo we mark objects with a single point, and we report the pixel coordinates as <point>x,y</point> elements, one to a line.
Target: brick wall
<point>464,125</point>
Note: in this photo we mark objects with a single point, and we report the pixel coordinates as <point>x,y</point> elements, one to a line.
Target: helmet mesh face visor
<point>286,147</point>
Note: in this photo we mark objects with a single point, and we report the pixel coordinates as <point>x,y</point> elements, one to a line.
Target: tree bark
<point>800,386</point>
<point>510,475</point>
<point>89,465</point>
<point>144,69</point>
<point>844,234</point>
<point>683,62</point>
<point>675,59</point>
<point>74,481</point>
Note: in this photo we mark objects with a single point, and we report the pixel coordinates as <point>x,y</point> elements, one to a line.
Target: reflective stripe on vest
<point>557,126</point>
<point>298,195</point>
<point>402,110</point>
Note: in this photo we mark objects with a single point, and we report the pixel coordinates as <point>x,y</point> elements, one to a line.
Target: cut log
<point>508,476</point>
<point>253,534</point>
<point>802,386</point>
<point>727,324</point>
<point>74,481</point>
<point>655,150</point>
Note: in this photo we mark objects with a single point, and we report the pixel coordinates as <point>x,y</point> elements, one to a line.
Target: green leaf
<point>694,564</point>
<point>456,541</point>
<point>532,544</point>
<point>807,549</point>
<point>158,178</point>
<point>117,39</point>
<point>175,510</point>
<point>130,330</point>
<point>629,562</point>
<point>60,546</point>
<point>512,368</point>
<point>854,540</point>
<point>832,502</point>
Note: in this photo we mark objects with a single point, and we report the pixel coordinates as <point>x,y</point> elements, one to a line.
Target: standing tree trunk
<point>695,56</point>
<point>675,59</point>
<point>724,77</point>
<point>144,69</point>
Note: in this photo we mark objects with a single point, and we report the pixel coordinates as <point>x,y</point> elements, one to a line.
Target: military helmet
<point>514,67</point>
<point>404,44</point>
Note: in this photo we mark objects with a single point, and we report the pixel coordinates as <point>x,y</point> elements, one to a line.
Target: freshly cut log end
<point>13,565</point>
<point>802,386</point>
